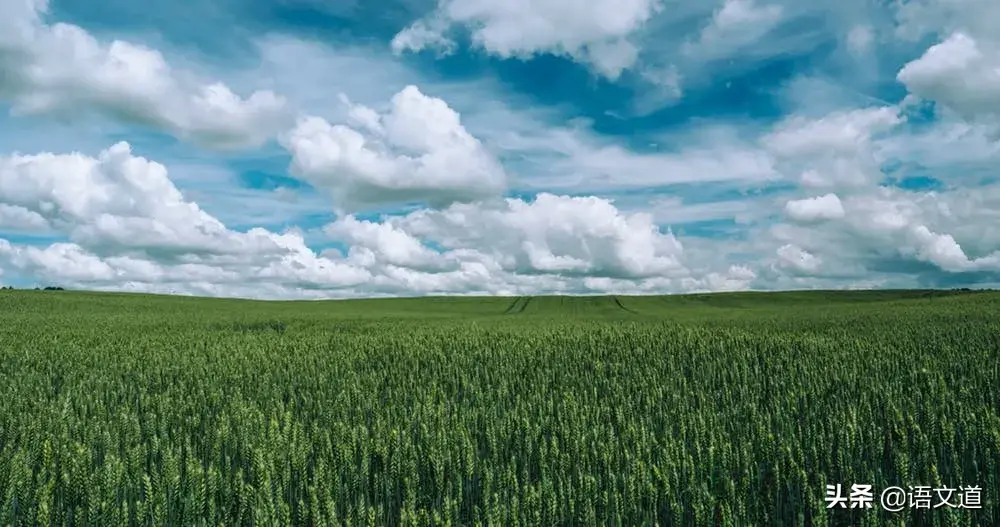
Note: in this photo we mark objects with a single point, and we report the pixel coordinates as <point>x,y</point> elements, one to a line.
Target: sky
<point>332,149</point>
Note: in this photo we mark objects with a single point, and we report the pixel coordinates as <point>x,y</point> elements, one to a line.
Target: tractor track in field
<point>518,305</point>
<point>524,306</point>
<point>513,305</point>
<point>621,306</point>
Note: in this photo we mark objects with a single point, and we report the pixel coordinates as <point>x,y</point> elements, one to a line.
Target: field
<point>729,409</point>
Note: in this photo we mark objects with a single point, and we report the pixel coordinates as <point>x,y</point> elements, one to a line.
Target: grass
<point>722,409</point>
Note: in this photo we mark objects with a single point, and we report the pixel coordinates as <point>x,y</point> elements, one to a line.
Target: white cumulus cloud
<point>559,234</point>
<point>797,260</point>
<point>115,200</point>
<point>961,73</point>
<point>597,32</point>
<point>418,150</point>
<point>825,207</point>
<point>62,69</point>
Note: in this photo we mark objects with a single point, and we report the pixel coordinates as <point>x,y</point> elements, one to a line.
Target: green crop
<point>733,409</point>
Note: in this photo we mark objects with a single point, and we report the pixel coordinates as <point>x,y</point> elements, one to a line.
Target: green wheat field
<point>724,409</point>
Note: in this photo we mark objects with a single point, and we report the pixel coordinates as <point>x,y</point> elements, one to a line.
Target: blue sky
<point>306,149</point>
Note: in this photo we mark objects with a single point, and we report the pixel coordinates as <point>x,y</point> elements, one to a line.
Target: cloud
<point>115,200</point>
<point>126,221</point>
<point>882,225</point>
<point>736,24</point>
<point>960,73</point>
<point>860,39</point>
<point>838,132</point>
<point>798,261</point>
<point>386,243</point>
<point>826,207</point>
<point>961,151</point>
<point>868,228</point>
<point>16,218</point>
<point>297,274</point>
<point>424,34</point>
<point>129,228</point>
<point>540,150</point>
<point>61,69</point>
<point>905,222</point>
<point>917,18</point>
<point>863,229</point>
<point>597,33</point>
<point>564,159</point>
<point>832,151</point>
<point>416,151</point>
<point>672,210</point>
<point>555,234</point>
<point>735,278</point>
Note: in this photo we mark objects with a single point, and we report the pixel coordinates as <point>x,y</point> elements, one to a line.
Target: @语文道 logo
<point>895,499</point>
